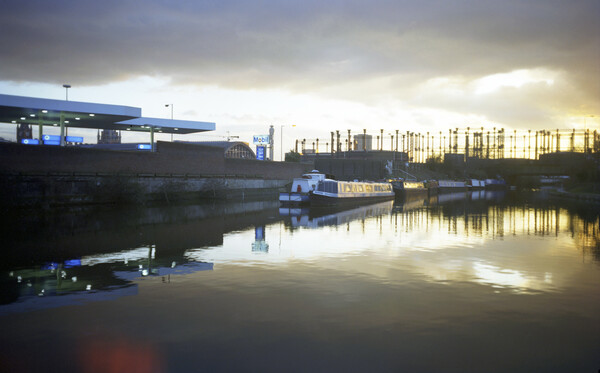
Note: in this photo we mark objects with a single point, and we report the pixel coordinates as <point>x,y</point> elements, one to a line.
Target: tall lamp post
<point>281,143</point>
<point>66,87</point>
<point>171,105</point>
<point>62,116</point>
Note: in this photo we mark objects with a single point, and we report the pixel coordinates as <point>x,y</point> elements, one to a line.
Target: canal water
<point>479,282</point>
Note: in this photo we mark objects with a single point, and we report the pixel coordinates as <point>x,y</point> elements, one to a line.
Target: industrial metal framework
<point>495,143</point>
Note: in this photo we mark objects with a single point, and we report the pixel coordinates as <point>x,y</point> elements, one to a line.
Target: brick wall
<point>170,158</point>
<point>349,169</point>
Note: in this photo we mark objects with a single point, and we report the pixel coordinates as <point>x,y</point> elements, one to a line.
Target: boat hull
<point>294,199</point>
<point>492,184</point>
<point>448,186</point>
<point>406,191</point>
<point>326,200</point>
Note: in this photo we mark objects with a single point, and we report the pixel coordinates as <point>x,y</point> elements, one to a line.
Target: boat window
<point>328,186</point>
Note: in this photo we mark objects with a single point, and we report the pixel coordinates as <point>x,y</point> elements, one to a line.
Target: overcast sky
<point>319,65</point>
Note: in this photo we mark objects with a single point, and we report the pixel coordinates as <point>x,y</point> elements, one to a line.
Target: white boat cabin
<point>307,182</point>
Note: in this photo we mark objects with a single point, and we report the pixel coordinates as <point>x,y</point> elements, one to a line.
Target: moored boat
<point>408,190</point>
<point>301,186</point>
<point>432,187</point>
<point>449,186</point>
<point>334,192</point>
<point>495,184</point>
<point>474,184</point>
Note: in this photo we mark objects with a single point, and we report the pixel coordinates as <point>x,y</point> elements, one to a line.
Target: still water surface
<point>482,282</point>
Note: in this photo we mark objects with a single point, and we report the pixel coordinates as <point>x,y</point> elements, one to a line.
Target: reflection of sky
<point>376,247</point>
<point>123,256</point>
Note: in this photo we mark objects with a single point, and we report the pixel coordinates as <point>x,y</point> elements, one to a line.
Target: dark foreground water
<point>475,283</point>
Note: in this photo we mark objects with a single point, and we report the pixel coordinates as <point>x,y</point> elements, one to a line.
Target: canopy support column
<point>152,138</point>
<point>62,129</point>
<point>40,129</point>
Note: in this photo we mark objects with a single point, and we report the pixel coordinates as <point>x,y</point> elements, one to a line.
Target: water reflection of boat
<point>451,197</point>
<point>477,195</point>
<point>413,204</point>
<point>319,217</point>
<point>333,192</point>
<point>293,211</point>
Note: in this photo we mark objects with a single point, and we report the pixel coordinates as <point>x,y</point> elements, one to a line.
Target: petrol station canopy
<point>47,112</point>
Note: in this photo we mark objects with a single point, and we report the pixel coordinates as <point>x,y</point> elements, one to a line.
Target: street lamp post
<point>281,143</point>
<point>62,116</point>
<point>66,87</point>
<point>281,140</point>
<point>171,105</point>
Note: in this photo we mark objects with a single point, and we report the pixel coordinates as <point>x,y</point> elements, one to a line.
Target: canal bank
<point>45,175</point>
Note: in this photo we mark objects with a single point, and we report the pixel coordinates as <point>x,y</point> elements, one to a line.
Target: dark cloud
<point>300,45</point>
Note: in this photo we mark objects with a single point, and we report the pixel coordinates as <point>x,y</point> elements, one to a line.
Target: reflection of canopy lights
<point>32,115</point>
<point>66,121</point>
<point>22,118</point>
<point>55,124</point>
<point>91,115</point>
<point>44,111</point>
<point>77,118</point>
<point>14,121</point>
<point>176,129</point>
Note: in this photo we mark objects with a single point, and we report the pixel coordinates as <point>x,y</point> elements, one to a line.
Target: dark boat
<point>409,190</point>
<point>495,184</point>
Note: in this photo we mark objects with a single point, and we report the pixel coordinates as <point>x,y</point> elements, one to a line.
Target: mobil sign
<point>261,140</point>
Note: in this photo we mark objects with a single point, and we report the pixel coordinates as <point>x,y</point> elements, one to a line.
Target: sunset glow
<point>320,67</point>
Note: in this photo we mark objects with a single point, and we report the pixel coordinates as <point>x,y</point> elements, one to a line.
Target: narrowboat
<point>301,186</point>
<point>433,187</point>
<point>450,186</point>
<point>474,184</point>
<point>333,192</point>
<point>495,184</point>
<point>409,190</point>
